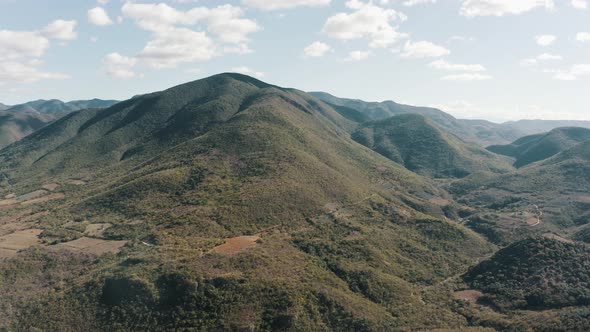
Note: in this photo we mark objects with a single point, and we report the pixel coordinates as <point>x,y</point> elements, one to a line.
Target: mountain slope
<point>60,107</point>
<point>14,126</point>
<point>537,147</point>
<point>246,206</point>
<point>3,107</point>
<point>481,132</point>
<point>417,143</point>
<point>536,273</point>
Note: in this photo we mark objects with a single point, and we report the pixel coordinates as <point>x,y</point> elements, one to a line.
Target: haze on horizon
<point>498,60</point>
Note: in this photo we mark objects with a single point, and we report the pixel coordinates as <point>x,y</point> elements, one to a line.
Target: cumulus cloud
<point>60,29</point>
<point>22,50</point>
<point>247,71</point>
<point>423,49</point>
<point>368,21</point>
<point>583,37</point>
<point>17,72</point>
<point>316,49</point>
<point>225,31</point>
<point>284,4</point>
<point>473,8</point>
<point>580,4</point>
<point>119,66</point>
<point>444,65</point>
<point>573,73</point>
<point>98,16</point>
<point>541,58</point>
<point>358,55</point>
<point>545,40</point>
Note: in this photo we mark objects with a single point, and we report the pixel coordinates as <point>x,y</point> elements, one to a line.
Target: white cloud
<point>410,3</point>
<point>466,77</point>
<point>19,44</point>
<point>444,65</point>
<point>172,46</point>
<point>119,66</point>
<point>580,4</point>
<point>17,72</point>
<point>60,29</point>
<point>423,49</point>
<point>545,40</point>
<point>247,71</point>
<point>541,58</point>
<point>284,4</point>
<point>98,16</point>
<point>583,37</point>
<point>575,72</point>
<point>358,56</point>
<point>472,8</point>
<point>21,52</point>
<point>317,49</point>
<point>174,42</point>
<point>102,2</point>
<point>365,21</point>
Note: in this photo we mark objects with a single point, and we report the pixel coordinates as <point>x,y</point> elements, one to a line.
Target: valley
<point>231,204</point>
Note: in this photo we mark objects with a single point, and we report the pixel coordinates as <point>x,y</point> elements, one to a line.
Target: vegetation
<point>535,273</point>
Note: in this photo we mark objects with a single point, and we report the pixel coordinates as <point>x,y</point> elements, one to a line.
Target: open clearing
<point>10,244</point>
<point>469,295</point>
<point>236,245</point>
<point>50,186</point>
<point>95,230</point>
<point>93,246</point>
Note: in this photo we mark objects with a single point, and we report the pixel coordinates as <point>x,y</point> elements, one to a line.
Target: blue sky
<point>493,59</point>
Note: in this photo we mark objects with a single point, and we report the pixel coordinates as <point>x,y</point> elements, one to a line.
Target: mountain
<point>14,126</point>
<point>481,132</point>
<point>417,143</point>
<point>537,273</point>
<point>60,107</point>
<point>21,120</point>
<point>530,149</point>
<point>531,127</point>
<point>223,204</point>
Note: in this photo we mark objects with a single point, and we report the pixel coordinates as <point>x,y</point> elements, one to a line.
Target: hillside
<point>536,273</point>
<point>480,132</point>
<point>21,120</point>
<point>14,125</point>
<point>3,107</point>
<point>221,204</point>
<point>55,106</point>
<point>530,149</point>
<point>418,144</point>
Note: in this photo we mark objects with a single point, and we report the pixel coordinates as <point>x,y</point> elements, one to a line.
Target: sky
<point>498,60</point>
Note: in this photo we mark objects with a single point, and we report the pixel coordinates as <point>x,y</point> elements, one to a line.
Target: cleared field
<point>93,246</point>
<point>44,199</point>
<point>50,186</point>
<point>32,195</point>
<point>236,245</point>
<point>469,295</point>
<point>10,244</point>
<point>77,182</point>
<point>96,229</point>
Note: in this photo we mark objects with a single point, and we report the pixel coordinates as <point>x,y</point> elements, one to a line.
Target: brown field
<point>9,196</point>
<point>14,217</point>
<point>77,182</point>
<point>583,199</point>
<point>93,246</point>
<point>50,186</point>
<point>95,230</point>
<point>469,295</point>
<point>32,195</point>
<point>44,199</point>
<point>440,201</point>
<point>236,245</point>
<point>10,244</point>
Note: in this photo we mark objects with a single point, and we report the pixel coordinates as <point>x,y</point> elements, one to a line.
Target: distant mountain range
<point>231,204</point>
<point>21,120</point>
